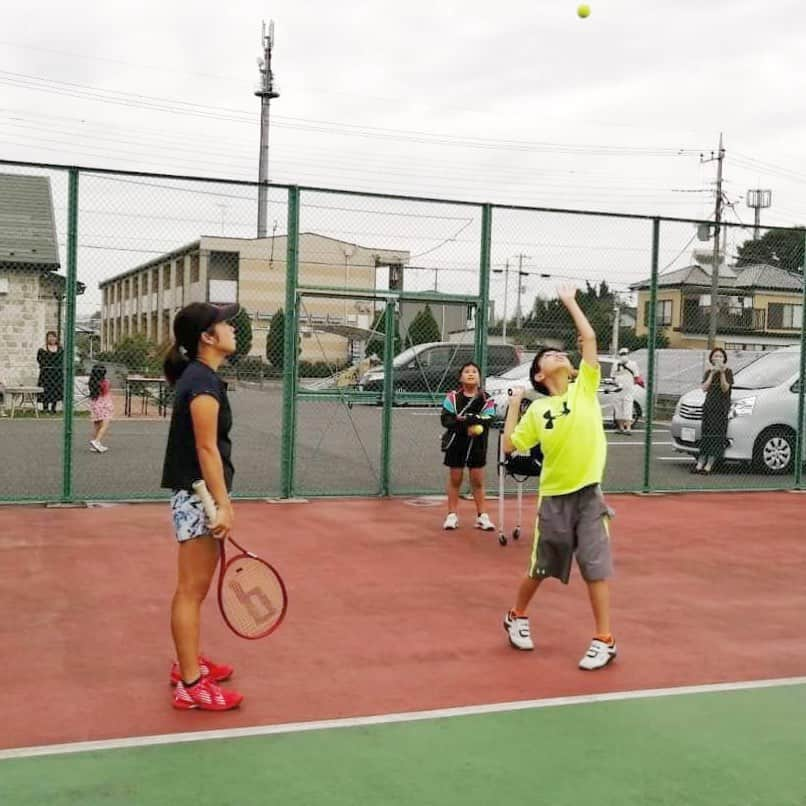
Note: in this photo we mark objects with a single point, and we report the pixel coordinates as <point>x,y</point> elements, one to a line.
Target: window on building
<point>781,316</point>
<point>663,313</point>
<point>194,268</point>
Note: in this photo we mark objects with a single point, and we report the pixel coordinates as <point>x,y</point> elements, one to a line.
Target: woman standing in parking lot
<point>717,384</point>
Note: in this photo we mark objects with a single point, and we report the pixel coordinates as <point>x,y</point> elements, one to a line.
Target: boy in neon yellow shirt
<point>572,515</point>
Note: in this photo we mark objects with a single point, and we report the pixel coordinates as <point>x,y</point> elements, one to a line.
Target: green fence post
<point>483,310</point>
<point>290,352</point>
<point>801,391</point>
<point>388,394</point>
<point>70,334</point>
<point>650,370</point>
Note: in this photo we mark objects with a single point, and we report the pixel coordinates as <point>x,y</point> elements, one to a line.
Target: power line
<point>174,106</point>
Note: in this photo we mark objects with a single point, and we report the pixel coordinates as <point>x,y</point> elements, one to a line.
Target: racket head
<point>252,596</point>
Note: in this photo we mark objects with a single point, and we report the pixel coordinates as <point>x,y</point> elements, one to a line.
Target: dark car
<point>434,367</point>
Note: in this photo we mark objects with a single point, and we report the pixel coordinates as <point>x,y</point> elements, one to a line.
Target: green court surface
<point>742,748</point>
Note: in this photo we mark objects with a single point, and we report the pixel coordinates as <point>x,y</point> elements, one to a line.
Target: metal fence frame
<point>295,203</point>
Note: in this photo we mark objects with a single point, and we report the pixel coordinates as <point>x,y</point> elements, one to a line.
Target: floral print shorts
<point>188,516</point>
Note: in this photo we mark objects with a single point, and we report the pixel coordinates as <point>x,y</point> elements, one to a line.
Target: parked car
<point>518,378</point>
<point>434,366</point>
<point>763,414</point>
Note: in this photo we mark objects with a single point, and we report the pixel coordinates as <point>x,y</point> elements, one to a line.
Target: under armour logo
<point>550,418</point>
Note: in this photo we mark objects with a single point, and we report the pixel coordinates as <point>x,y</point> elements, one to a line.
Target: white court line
<point>674,458</point>
<point>389,719</point>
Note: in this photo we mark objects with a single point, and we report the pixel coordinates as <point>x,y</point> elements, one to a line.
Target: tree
<point>136,352</point>
<point>777,247</point>
<point>377,342</point>
<point>275,341</point>
<point>628,339</point>
<point>424,328</point>
<point>243,336</point>
<point>550,319</point>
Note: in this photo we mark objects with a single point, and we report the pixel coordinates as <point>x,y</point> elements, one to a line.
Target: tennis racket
<point>251,594</point>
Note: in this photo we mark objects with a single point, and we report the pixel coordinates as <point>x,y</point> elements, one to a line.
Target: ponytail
<point>176,362</point>
<point>189,325</point>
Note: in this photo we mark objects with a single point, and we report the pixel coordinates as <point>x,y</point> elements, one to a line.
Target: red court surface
<point>387,612</point>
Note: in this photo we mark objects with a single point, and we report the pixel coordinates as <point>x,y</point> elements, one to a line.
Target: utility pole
<point>521,273</point>
<point>505,272</point>
<point>223,207</point>
<point>266,93</point>
<point>719,159</point>
<point>758,200</point>
<point>506,298</point>
<point>616,326</point>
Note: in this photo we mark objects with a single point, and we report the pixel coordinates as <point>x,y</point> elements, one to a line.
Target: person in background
<point>625,372</point>
<point>51,371</point>
<point>101,407</point>
<point>717,384</point>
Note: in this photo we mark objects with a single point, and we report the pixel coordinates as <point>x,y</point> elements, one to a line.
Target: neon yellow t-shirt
<point>570,433</point>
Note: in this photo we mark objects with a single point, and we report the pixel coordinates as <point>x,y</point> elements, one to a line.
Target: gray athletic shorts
<point>577,523</point>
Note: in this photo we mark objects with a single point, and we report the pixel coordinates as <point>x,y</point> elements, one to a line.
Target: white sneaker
<point>484,523</point>
<point>102,448</point>
<point>451,522</point>
<point>95,445</point>
<point>517,628</point>
<point>599,654</point>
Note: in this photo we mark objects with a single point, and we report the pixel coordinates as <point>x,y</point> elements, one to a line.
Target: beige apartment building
<point>758,307</point>
<point>252,272</point>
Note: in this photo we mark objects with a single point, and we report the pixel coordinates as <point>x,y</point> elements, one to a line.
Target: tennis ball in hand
<point>476,430</point>
<point>584,11</point>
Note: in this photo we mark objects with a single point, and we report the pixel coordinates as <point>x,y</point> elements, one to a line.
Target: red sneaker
<point>205,695</point>
<point>217,671</point>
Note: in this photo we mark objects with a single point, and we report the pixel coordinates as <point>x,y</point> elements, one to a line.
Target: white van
<point>763,415</point>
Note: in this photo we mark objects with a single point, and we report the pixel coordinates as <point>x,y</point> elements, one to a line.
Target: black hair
<point>536,385</point>
<point>469,364</point>
<point>714,351</point>
<point>97,374</point>
<point>189,324</point>
<point>51,333</point>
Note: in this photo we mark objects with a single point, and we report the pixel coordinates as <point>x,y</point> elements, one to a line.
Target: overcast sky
<point>517,102</point>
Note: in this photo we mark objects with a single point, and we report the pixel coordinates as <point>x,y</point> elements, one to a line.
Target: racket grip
<point>210,509</point>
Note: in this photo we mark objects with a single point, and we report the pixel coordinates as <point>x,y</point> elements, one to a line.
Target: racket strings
<point>252,596</point>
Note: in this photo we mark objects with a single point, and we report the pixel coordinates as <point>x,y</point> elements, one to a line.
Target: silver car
<point>497,387</point>
<point>763,414</point>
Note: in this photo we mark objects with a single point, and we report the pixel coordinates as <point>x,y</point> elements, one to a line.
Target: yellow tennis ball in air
<point>476,430</point>
<point>584,11</point>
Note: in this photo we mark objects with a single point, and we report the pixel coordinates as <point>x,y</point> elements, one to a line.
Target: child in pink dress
<point>101,406</point>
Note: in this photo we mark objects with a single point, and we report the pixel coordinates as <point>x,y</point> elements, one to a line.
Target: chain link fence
<point>359,312</point>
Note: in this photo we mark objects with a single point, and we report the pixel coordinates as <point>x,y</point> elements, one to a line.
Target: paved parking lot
<point>338,452</point>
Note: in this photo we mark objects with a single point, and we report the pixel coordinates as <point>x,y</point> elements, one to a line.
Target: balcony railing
<point>749,320</point>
